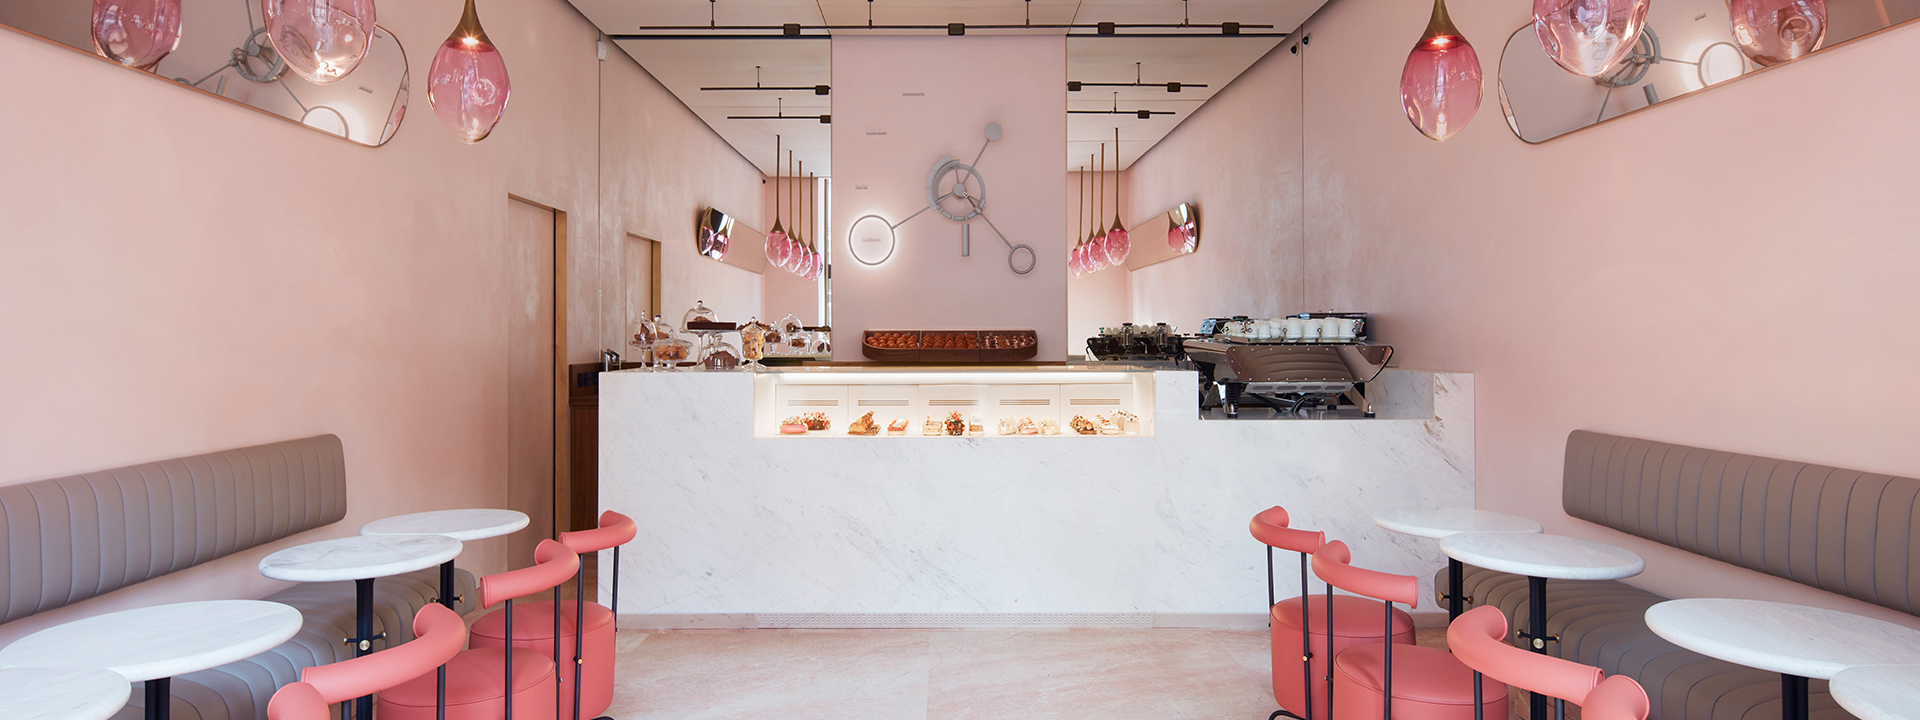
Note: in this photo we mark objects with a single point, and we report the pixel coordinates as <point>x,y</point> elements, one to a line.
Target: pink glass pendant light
<point>322,40</point>
<point>1440,85</point>
<point>1073,261</point>
<point>467,84</point>
<point>1176,238</point>
<point>136,33</point>
<point>1775,31</point>
<point>776,246</point>
<point>1119,241</point>
<point>1589,37</point>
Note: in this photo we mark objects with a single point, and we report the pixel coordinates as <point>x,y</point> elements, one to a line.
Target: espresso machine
<point>1277,364</point>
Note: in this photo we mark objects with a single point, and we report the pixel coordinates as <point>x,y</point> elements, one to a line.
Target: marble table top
<point>159,641</point>
<point>1441,522</point>
<point>1878,692</point>
<point>359,558</point>
<point>1787,639</point>
<point>462,525</point>
<point>62,693</point>
<point>1548,556</point>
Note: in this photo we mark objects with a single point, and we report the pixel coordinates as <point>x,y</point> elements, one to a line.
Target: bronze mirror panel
<point>1151,245</point>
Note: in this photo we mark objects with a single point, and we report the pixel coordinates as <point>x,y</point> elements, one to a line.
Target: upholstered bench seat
<point>240,690</point>
<point>1602,623</point>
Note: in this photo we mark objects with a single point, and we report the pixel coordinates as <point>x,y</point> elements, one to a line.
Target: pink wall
<point>1691,274</point>
<point>183,275</point>
<point>1014,81</point>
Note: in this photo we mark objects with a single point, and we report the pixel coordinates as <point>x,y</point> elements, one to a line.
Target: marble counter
<point>961,532</point>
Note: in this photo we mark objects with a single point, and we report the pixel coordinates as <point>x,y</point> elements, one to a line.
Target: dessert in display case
<point>950,346</point>
<point>972,403</point>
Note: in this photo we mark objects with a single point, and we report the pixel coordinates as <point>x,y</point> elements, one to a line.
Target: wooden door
<point>531,340</point>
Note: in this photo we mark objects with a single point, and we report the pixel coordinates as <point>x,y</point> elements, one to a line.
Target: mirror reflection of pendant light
<point>322,40</point>
<point>775,244</point>
<point>1119,241</point>
<point>802,255</point>
<point>1775,31</point>
<point>467,84</point>
<point>1097,248</point>
<point>1093,221</point>
<point>819,259</point>
<point>1080,195</point>
<point>136,33</point>
<point>1440,84</point>
<point>1589,37</point>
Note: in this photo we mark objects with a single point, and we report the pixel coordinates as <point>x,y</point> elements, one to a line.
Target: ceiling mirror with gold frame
<point>1687,46</point>
<point>224,51</point>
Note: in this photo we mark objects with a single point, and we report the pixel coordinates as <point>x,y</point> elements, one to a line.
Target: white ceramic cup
<point>1295,328</point>
<point>1349,327</point>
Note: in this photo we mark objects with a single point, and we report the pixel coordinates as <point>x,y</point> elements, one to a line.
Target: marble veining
<point>1547,556</point>
<point>731,524</point>
<point>465,525</point>
<point>161,640</point>
<point>1790,639</point>
<point>1878,692</point>
<point>359,558</point>
<point>1441,522</point>
<point>61,693</point>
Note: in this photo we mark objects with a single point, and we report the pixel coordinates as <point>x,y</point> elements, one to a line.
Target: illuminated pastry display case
<point>890,403</point>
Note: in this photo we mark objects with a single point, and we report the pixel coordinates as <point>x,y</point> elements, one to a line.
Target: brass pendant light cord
<point>776,185</point>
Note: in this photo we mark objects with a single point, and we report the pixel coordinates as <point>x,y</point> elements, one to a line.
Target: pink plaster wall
<point>181,275</point>
<point>1733,271</point>
<point>1014,81</point>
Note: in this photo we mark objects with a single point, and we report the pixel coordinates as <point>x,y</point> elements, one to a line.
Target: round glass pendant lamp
<point>1119,241</point>
<point>321,40</point>
<point>136,33</point>
<point>1073,261</point>
<point>1775,31</point>
<point>1440,84</point>
<point>467,84</point>
<point>776,246</point>
<point>1588,37</point>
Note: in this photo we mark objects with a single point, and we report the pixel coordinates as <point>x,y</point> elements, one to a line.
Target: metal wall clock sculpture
<point>958,192</point>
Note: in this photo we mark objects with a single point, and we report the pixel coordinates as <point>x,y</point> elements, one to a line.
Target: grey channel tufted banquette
<point>72,538</point>
<point>1843,531</point>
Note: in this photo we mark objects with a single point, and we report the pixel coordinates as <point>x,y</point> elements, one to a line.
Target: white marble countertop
<point>1548,556</point>
<point>61,693</point>
<point>1441,522</point>
<point>159,641</point>
<point>1878,692</point>
<point>359,558</point>
<point>464,525</point>
<point>1787,639</point>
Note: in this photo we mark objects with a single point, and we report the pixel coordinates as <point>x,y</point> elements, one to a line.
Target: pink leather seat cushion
<point>475,684</point>
<point>1428,684</point>
<point>533,629</point>
<point>1356,621</point>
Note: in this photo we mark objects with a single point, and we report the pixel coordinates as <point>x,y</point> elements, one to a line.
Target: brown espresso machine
<point>1288,375</point>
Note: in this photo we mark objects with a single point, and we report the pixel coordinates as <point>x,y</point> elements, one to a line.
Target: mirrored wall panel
<point>223,50</point>
<point>1171,234</point>
<point>1687,46</point>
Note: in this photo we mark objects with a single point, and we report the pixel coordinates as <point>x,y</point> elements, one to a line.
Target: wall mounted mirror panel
<point>1167,236</point>
<point>224,51</point>
<point>723,237</point>
<point>1688,46</point>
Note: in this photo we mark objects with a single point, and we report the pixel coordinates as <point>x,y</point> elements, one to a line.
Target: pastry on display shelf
<point>817,421</point>
<point>897,427</point>
<point>1008,426</point>
<point>1083,426</point>
<point>975,425</point>
<point>1049,427</point>
<point>864,426</point>
<point>956,425</point>
<point>793,426</point>
<point>932,428</point>
<point>1108,426</point>
<point>1026,427</point>
<point>1129,422</point>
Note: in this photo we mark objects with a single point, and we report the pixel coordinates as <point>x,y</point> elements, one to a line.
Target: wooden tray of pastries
<point>891,345</point>
<point>1008,345</point>
<point>949,346</point>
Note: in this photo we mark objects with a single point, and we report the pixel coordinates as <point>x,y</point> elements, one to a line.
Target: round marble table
<point>1878,692</point>
<point>158,642</point>
<point>1440,522</point>
<point>463,525</point>
<point>61,693</point>
<point>360,559</point>
<point>1797,641</point>
<point>1540,557</point>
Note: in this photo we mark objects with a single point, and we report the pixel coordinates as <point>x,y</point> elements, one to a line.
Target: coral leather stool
<point>438,634</point>
<point>1385,680</point>
<point>1296,627</point>
<point>590,682</point>
<point>478,679</point>
<point>1478,640</point>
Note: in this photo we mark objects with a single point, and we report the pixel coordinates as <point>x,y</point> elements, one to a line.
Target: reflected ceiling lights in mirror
<point>321,40</point>
<point>136,33</point>
<point>1440,84</point>
<point>1775,31</point>
<point>468,85</point>
<point>1588,37</point>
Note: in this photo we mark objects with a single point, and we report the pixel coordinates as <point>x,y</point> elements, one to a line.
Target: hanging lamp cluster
<point>1108,247</point>
<point>785,249</point>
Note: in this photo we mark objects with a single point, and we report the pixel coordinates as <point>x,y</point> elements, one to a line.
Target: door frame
<point>562,478</point>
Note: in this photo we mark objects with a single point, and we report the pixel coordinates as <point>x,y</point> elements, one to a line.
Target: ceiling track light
<point>1142,114</point>
<point>780,113</point>
<point>817,89</point>
<point>797,31</point>
<point>1172,87</point>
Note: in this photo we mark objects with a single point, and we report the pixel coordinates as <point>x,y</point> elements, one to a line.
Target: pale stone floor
<point>1163,674</point>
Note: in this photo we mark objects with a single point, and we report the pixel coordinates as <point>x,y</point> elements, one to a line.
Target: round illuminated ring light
<point>878,232</point>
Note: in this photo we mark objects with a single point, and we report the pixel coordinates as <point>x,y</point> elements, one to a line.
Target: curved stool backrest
<point>1269,526</point>
<point>1478,638</point>
<point>298,701</point>
<point>553,563</point>
<point>438,634</point>
<point>1333,563</point>
<point>615,530</point>
<point>1616,698</point>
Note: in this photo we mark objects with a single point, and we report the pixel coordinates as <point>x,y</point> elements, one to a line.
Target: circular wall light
<point>871,240</point>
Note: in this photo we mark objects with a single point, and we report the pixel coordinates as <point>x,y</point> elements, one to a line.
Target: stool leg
<point>1306,644</point>
<point>1329,623</point>
<point>509,671</point>
<point>1386,700</point>
<point>579,632</point>
<point>1479,707</point>
<point>447,591</point>
<point>363,637</point>
<point>1537,608</point>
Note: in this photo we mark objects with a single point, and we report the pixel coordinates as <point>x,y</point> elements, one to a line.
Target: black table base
<point>1793,697</point>
<point>1537,638</point>
<point>362,640</point>
<point>160,698</point>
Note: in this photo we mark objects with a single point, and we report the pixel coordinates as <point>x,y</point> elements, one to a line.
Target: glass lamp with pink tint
<point>136,33</point>
<point>468,85</point>
<point>1073,261</point>
<point>1588,37</point>
<point>1774,31</point>
<point>1441,83</point>
<point>321,40</point>
<point>1119,243</point>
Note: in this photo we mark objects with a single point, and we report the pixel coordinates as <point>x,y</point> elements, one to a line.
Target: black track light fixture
<point>1172,87</point>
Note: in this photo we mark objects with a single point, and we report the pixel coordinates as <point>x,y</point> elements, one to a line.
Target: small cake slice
<point>1049,427</point>
<point>956,425</point>
<point>1082,425</point>
<point>793,426</point>
<point>897,427</point>
<point>932,427</point>
<point>864,426</point>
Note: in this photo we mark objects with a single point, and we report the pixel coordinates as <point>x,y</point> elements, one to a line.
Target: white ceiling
<point>684,66</point>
